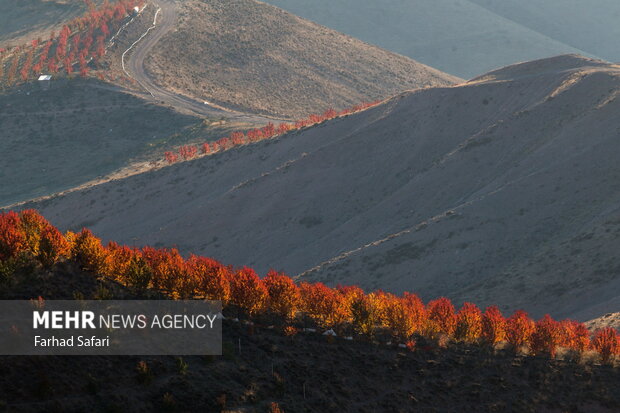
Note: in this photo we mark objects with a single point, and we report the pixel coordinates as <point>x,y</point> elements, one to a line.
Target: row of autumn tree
<point>28,235</point>
<point>268,131</point>
<point>79,41</point>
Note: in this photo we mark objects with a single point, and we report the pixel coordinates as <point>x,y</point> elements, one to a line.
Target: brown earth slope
<point>502,190</point>
<point>607,320</point>
<point>251,56</point>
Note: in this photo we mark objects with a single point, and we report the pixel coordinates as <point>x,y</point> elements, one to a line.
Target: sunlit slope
<point>257,58</point>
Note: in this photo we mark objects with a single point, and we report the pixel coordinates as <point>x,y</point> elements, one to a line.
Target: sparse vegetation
<point>268,131</point>
<point>79,41</point>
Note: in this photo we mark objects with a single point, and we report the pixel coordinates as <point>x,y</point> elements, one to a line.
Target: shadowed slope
<point>475,192</point>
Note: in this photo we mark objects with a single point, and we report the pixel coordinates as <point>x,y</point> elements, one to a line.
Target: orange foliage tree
<point>284,296</point>
<point>212,278</point>
<point>468,323</point>
<point>607,343</point>
<point>324,305</point>
<point>169,272</point>
<point>365,314</point>
<point>575,336</point>
<point>12,238</point>
<point>52,246</point>
<point>33,224</point>
<point>405,315</point>
<point>493,326</point>
<point>519,329</point>
<point>248,291</point>
<point>441,317</point>
<point>89,253</point>
<point>118,259</point>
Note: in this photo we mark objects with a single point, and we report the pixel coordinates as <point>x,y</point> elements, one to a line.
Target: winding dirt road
<point>165,22</point>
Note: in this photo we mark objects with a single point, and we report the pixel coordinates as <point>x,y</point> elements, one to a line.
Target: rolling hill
<point>253,57</point>
<point>470,37</point>
<point>111,126</point>
<point>504,184</point>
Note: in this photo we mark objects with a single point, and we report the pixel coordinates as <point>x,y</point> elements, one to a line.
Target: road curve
<point>166,21</point>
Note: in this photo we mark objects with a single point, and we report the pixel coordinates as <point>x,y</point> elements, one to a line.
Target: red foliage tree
<point>12,238</point>
<point>575,336</point>
<point>349,293</point>
<point>405,315</point>
<point>61,45</point>
<point>206,148</point>
<point>268,131</point>
<point>324,305</point>
<point>32,224</point>
<point>104,29</point>
<point>169,273</point>
<point>255,135</point>
<point>330,114</point>
<point>284,296</point>
<point>441,316</point>
<point>224,143</point>
<point>68,62</point>
<point>284,127</point>
<point>25,70</point>
<point>248,291</point>
<point>171,157</point>
<point>188,151</point>
<point>469,323</point>
<point>52,65</point>
<point>76,43</point>
<point>212,278</point>
<point>547,336</point>
<point>607,343</point>
<point>89,253</point>
<point>237,138</point>
<point>519,329</point>
<point>52,246</point>
<point>493,326</point>
<point>365,314</point>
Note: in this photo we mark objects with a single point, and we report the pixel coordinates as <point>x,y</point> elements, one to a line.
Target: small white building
<point>44,81</point>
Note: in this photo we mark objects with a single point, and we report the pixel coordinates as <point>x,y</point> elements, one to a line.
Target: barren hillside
<point>469,37</point>
<point>251,56</point>
<point>502,190</point>
<point>607,320</point>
